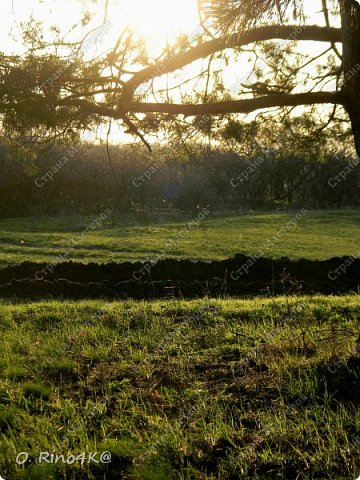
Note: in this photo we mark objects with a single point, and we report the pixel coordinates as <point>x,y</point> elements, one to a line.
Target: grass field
<point>318,235</point>
<point>207,389</point>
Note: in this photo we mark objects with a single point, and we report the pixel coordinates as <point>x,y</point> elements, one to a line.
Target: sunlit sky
<point>158,21</point>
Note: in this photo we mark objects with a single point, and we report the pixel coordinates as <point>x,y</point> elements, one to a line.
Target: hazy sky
<point>157,19</point>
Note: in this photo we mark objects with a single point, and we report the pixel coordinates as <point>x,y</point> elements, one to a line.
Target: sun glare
<point>161,19</point>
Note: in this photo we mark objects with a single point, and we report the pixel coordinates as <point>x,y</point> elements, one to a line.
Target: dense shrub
<point>132,180</point>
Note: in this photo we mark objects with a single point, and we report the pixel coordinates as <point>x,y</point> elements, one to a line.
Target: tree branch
<point>216,108</point>
<point>272,32</point>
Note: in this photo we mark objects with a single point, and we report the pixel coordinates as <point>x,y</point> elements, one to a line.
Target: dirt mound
<point>237,276</point>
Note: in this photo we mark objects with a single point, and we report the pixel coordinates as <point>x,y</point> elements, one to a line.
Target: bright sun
<point>161,19</point>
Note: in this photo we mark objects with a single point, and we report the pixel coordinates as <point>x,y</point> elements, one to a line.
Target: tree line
<point>85,180</point>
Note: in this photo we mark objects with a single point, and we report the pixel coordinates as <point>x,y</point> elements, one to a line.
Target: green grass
<point>318,235</point>
<point>206,389</point>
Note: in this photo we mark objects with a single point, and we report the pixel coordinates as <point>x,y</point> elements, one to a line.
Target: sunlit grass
<point>205,389</point>
<point>318,235</point>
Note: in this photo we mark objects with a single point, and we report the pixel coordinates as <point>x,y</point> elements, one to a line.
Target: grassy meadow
<point>206,389</point>
<point>318,235</point>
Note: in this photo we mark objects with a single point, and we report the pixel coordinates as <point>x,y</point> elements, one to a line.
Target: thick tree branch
<point>217,108</point>
<point>272,32</point>
<point>238,106</point>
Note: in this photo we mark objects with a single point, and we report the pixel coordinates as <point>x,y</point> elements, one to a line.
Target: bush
<point>141,184</point>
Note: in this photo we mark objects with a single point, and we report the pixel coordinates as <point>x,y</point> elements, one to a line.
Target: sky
<point>158,20</point>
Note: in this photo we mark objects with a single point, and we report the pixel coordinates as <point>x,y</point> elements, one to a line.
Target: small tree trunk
<point>350,26</point>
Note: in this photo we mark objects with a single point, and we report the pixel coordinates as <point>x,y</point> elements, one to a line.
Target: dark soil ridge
<point>180,278</point>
